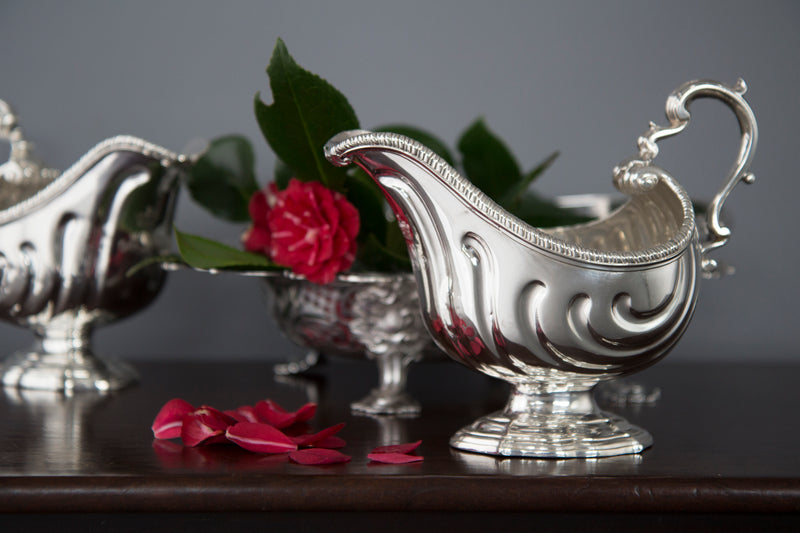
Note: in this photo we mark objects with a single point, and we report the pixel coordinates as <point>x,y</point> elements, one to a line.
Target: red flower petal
<point>168,421</point>
<point>394,458</point>
<point>257,239</point>
<point>318,456</point>
<point>398,448</point>
<point>332,443</point>
<point>311,440</point>
<point>305,413</point>
<point>258,207</point>
<point>272,413</point>
<point>205,425</point>
<point>262,438</point>
<point>245,413</point>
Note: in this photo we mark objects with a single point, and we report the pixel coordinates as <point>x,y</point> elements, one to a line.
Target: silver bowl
<point>372,315</point>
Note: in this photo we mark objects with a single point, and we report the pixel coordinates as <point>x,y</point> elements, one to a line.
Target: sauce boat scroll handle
<point>553,311</point>
<point>68,242</point>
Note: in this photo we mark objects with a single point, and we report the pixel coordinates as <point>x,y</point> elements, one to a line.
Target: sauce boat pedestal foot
<point>555,424</point>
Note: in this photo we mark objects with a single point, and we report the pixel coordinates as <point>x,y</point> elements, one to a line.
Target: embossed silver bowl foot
<point>378,402</point>
<point>553,424</point>
<point>390,397</point>
<point>67,372</point>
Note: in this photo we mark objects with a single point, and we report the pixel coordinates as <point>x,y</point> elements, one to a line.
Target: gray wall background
<point>581,77</point>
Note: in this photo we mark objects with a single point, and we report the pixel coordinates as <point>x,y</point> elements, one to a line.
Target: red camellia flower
<point>257,237</point>
<point>306,227</point>
<point>313,231</point>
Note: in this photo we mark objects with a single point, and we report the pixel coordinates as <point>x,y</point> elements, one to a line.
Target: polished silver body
<point>374,316</point>
<point>553,312</point>
<point>67,243</point>
<point>369,315</point>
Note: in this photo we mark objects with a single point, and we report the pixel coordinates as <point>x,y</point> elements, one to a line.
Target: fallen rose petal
<point>305,413</point>
<point>258,437</point>
<point>394,458</point>
<point>310,440</point>
<point>205,425</point>
<point>318,456</point>
<point>245,413</point>
<point>398,448</point>
<point>168,421</point>
<point>272,413</point>
<point>332,443</point>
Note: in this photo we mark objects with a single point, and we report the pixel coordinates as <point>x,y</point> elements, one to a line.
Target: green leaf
<point>487,161</point>
<point>199,252</point>
<point>223,178</point>
<point>374,256</point>
<point>396,242</point>
<point>282,174</point>
<point>367,198</point>
<point>513,196</point>
<point>160,260</point>
<point>542,213</point>
<point>306,112</point>
<point>423,137</point>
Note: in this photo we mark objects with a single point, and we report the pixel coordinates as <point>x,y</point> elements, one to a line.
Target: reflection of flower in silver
<point>462,336</point>
<point>313,315</point>
<point>387,319</point>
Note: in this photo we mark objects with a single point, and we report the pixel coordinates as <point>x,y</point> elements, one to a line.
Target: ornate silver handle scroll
<point>630,176</point>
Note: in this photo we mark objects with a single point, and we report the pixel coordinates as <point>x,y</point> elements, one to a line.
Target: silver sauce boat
<point>554,312</point>
<point>67,244</point>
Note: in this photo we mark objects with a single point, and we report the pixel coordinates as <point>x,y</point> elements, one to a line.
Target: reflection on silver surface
<point>310,386</point>
<point>67,244</point>
<point>373,316</point>
<point>553,312</point>
<point>299,366</point>
<point>391,430</point>
<point>621,391</point>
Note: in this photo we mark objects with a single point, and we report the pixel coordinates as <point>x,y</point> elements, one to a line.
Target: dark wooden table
<point>726,451</point>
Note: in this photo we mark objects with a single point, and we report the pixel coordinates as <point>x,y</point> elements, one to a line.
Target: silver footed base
<point>382,402</point>
<point>390,396</point>
<point>65,372</point>
<point>552,425</point>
